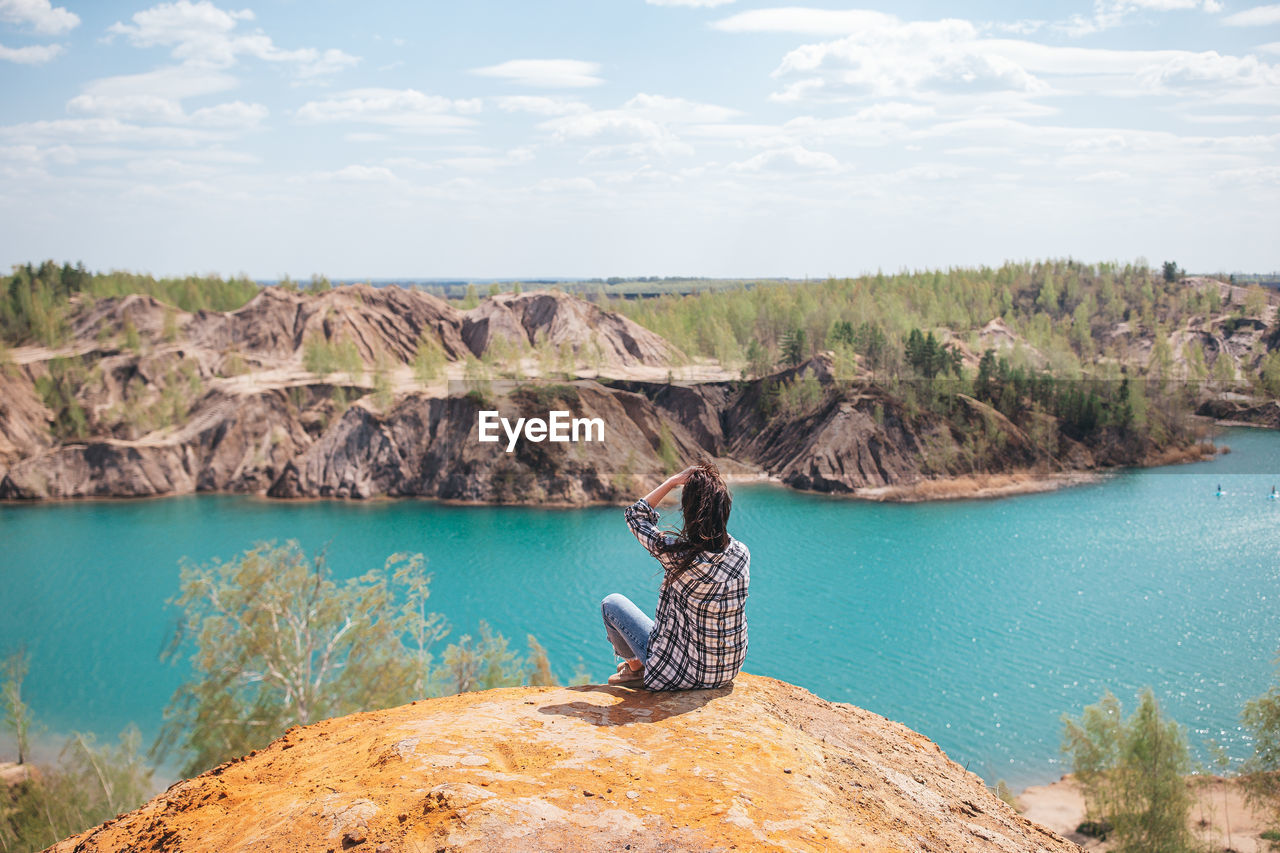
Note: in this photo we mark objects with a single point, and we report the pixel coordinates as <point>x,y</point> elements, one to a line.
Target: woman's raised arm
<point>655,497</point>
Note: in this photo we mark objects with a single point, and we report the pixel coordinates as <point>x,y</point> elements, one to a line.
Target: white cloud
<point>364,174</point>
<point>150,96</point>
<point>891,58</point>
<point>312,63</point>
<point>793,158</point>
<point>648,116</point>
<point>1258,16</point>
<point>39,15</point>
<point>403,109</point>
<point>99,131</point>
<point>514,157</point>
<point>202,34</point>
<point>804,21</point>
<point>1187,72</point>
<point>677,110</point>
<point>950,61</point>
<point>36,54</point>
<point>539,105</point>
<point>1259,175</point>
<point>698,3</point>
<point>566,185</point>
<point>199,32</point>
<point>1105,176</point>
<point>235,114</point>
<point>800,90</point>
<point>545,73</point>
<point>1164,5</point>
<point>157,97</point>
<point>645,125</point>
<point>1113,13</point>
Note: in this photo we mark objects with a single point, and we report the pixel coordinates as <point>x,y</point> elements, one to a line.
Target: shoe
<point>626,675</point>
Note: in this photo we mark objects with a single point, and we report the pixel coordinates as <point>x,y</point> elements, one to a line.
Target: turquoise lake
<point>978,623</point>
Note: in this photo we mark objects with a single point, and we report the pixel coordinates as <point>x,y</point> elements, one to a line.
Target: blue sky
<point>636,137</point>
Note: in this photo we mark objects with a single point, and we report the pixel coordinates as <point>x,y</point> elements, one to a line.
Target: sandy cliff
<point>762,765</point>
<point>147,400</point>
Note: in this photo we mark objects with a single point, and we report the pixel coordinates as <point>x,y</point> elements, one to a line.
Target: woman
<point>699,638</point>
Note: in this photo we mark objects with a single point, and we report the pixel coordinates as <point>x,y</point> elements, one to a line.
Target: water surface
<point>977,623</point>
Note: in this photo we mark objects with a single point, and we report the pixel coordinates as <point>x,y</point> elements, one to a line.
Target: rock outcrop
<point>148,400</point>
<point>565,322</point>
<point>761,765</point>
<point>429,447</point>
<point>384,323</point>
<point>1234,411</point>
<point>24,420</point>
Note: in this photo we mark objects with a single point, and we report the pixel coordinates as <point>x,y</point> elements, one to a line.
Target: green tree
<point>471,299</point>
<point>1261,772</point>
<point>323,356</point>
<point>984,384</point>
<point>1047,299</point>
<point>88,785</point>
<point>1268,372</point>
<point>471,665</point>
<point>1132,774</point>
<point>383,384</point>
<point>842,332</point>
<point>59,390</point>
<point>16,713</point>
<point>758,359</point>
<point>928,356</point>
<point>1255,301</point>
<point>667,450</point>
<point>794,347</point>
<point>1172,273</point>
<point>279,642</point>
<point>429,360</point>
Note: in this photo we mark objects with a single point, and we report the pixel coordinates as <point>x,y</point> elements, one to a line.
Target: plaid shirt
<point>699,636</point>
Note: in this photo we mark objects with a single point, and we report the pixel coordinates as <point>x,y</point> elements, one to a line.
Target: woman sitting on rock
<point>699,638</point>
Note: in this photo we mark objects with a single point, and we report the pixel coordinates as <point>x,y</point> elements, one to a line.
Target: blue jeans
<point>627,627</point>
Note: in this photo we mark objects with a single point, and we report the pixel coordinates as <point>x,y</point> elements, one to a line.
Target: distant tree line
<point>34,300</point>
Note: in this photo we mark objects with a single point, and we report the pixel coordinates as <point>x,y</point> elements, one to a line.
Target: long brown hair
<point>706,503</point>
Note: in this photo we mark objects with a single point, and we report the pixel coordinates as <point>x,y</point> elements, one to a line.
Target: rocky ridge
<point>224,402</point>
<point>760,765</point>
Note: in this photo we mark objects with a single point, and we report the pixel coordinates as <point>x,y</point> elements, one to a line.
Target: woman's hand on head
<point>683,477</point>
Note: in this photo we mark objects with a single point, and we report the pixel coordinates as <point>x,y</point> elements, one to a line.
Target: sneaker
<point>626,675</point>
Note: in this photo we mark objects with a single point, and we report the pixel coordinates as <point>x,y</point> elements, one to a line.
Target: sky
<point>582,138</point>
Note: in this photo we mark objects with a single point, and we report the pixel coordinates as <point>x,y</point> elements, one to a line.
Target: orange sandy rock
<point>761,765</point>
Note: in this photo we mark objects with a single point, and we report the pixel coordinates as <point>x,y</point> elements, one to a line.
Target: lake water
<point>978,623</point>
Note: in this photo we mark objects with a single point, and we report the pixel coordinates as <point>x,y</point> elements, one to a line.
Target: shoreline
<point>981,486</point>
<point>1219,813</point>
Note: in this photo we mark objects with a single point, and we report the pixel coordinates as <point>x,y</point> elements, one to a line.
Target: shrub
<point>667,450</point>
<point>1261,772</point>
<point>429,360</point>
<point>1131,772</point>
<point>322,356</point>
<point>58,391</point>
<point>89,784</point>
<point>278,642</point>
